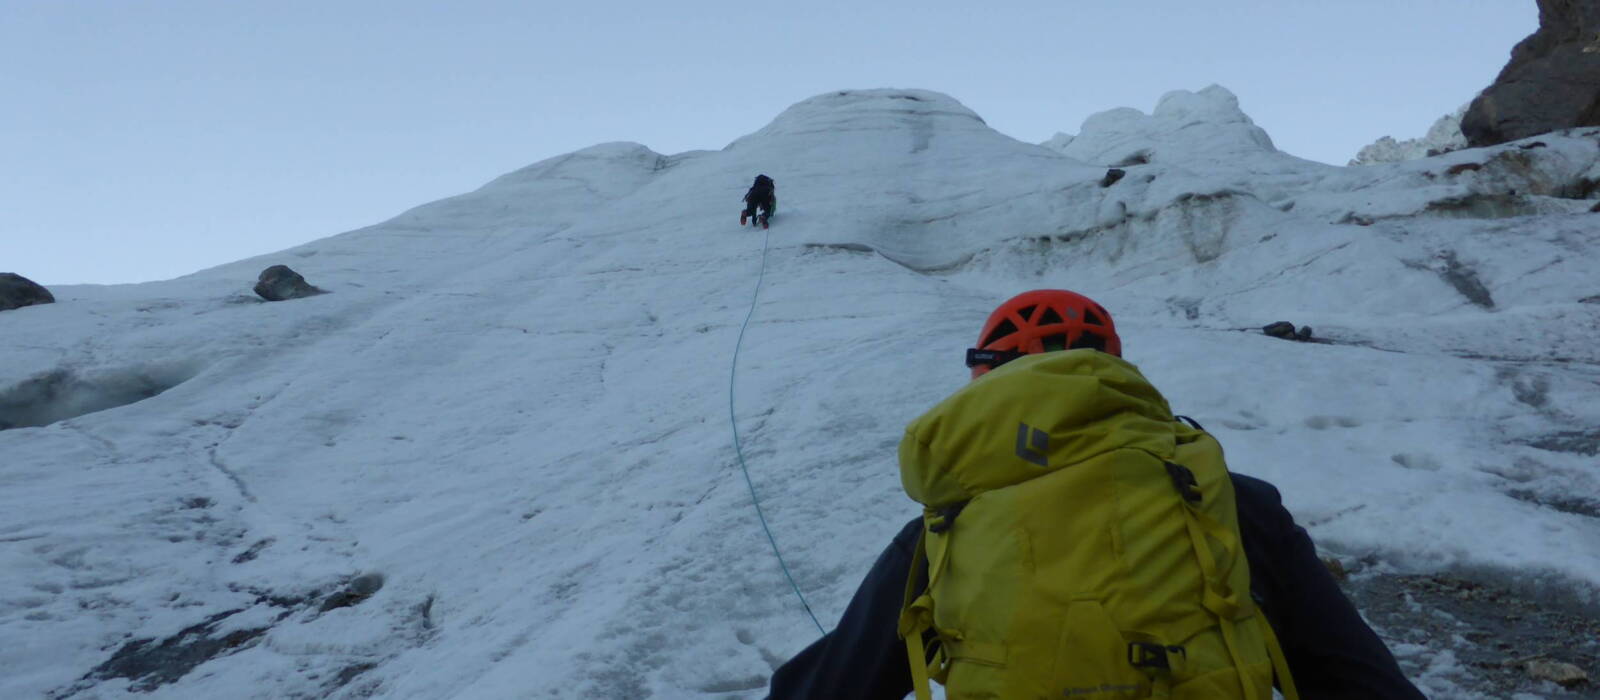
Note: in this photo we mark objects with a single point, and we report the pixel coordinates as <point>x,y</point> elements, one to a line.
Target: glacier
<point>513,412</point>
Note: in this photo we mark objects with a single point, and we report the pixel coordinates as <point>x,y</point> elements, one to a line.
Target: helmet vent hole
<point>1094,341</point>
<point>1089,316</point>
<point>1049,316</point>
<point>1053,343</point>
<point>1004,329</point>
<point>1026,312</point>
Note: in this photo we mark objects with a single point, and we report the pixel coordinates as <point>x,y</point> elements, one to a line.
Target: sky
<point>144,141</point>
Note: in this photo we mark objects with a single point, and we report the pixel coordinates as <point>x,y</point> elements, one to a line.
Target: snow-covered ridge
<point>870,109</point>
<point>513,406</point>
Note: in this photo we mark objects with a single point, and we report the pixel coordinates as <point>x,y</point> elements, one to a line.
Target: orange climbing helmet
<point>1041,321</point>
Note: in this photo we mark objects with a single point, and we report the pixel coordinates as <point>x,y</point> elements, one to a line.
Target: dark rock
<point>1141,157</point>
<point>1552,81</point>
<point>1112,176</point>
<point>342,599</point>
<point>1595,209</point>
<point>1559,672</point>
<point>1586,507</point>
<point>1281,329</point>
<point>1493,626</point>
<point>1286,331</point>
<point>1590,300</point>
<point>254,551</point>
<point>279,283</point>
<point>17,291</point>
<point>1484,206</point>
<point>1463,167</point>
<point>1582,442</point>
<point>360,588</point>
<point>151,664</point>
<point>1584,188</point>
<point>350,672</point>
<point>1531,146</point>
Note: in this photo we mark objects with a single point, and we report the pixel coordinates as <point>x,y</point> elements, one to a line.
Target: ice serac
<point>1204,139</point>
<point>1184,127</point>
<point>1199,172</point>
<point>1443,137</point>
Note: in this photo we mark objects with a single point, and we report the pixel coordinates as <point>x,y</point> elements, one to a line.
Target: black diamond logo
<point>1032,444</point>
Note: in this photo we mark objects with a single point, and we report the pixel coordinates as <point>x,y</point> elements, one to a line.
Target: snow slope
<point>514,405</point>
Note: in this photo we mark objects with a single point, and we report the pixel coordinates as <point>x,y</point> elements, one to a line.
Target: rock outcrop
<point>17,291</point>
<point>1286,331</point>
<point>1551,83</point>
<point>279,283</point>
<point>1559,672</point>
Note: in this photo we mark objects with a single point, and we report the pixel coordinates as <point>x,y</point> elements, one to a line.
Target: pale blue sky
<point>146,140</point>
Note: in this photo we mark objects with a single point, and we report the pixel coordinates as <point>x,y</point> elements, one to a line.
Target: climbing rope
<point>739,449</point>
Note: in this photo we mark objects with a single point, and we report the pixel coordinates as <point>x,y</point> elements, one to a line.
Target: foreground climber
<point>1078,541</point>
<point>762,196</point>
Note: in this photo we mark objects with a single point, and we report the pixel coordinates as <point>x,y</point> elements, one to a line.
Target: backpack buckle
<point>945,518</point>
<point>1183,480</point>
<point>1153,657</point>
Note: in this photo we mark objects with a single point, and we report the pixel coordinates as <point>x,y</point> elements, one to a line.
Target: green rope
<point>739,450</point>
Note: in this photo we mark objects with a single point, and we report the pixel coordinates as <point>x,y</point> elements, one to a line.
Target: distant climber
<point>762,195</point>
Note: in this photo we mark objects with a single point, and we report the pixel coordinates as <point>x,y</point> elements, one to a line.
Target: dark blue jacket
<point>761,192</point>
<point>1331,651</point>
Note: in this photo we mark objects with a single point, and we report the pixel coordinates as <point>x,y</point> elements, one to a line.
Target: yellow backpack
<point>1080,543</point>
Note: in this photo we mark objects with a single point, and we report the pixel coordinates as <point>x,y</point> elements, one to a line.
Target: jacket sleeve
<point>1331,651</point>
<point>863,657</point>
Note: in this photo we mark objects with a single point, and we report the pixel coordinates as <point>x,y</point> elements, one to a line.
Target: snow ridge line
<point>733,369</point>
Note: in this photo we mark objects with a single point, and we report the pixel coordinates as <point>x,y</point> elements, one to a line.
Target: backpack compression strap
<point>916,617</point>
<point>1217,598</point>
<point>1280,664</point>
